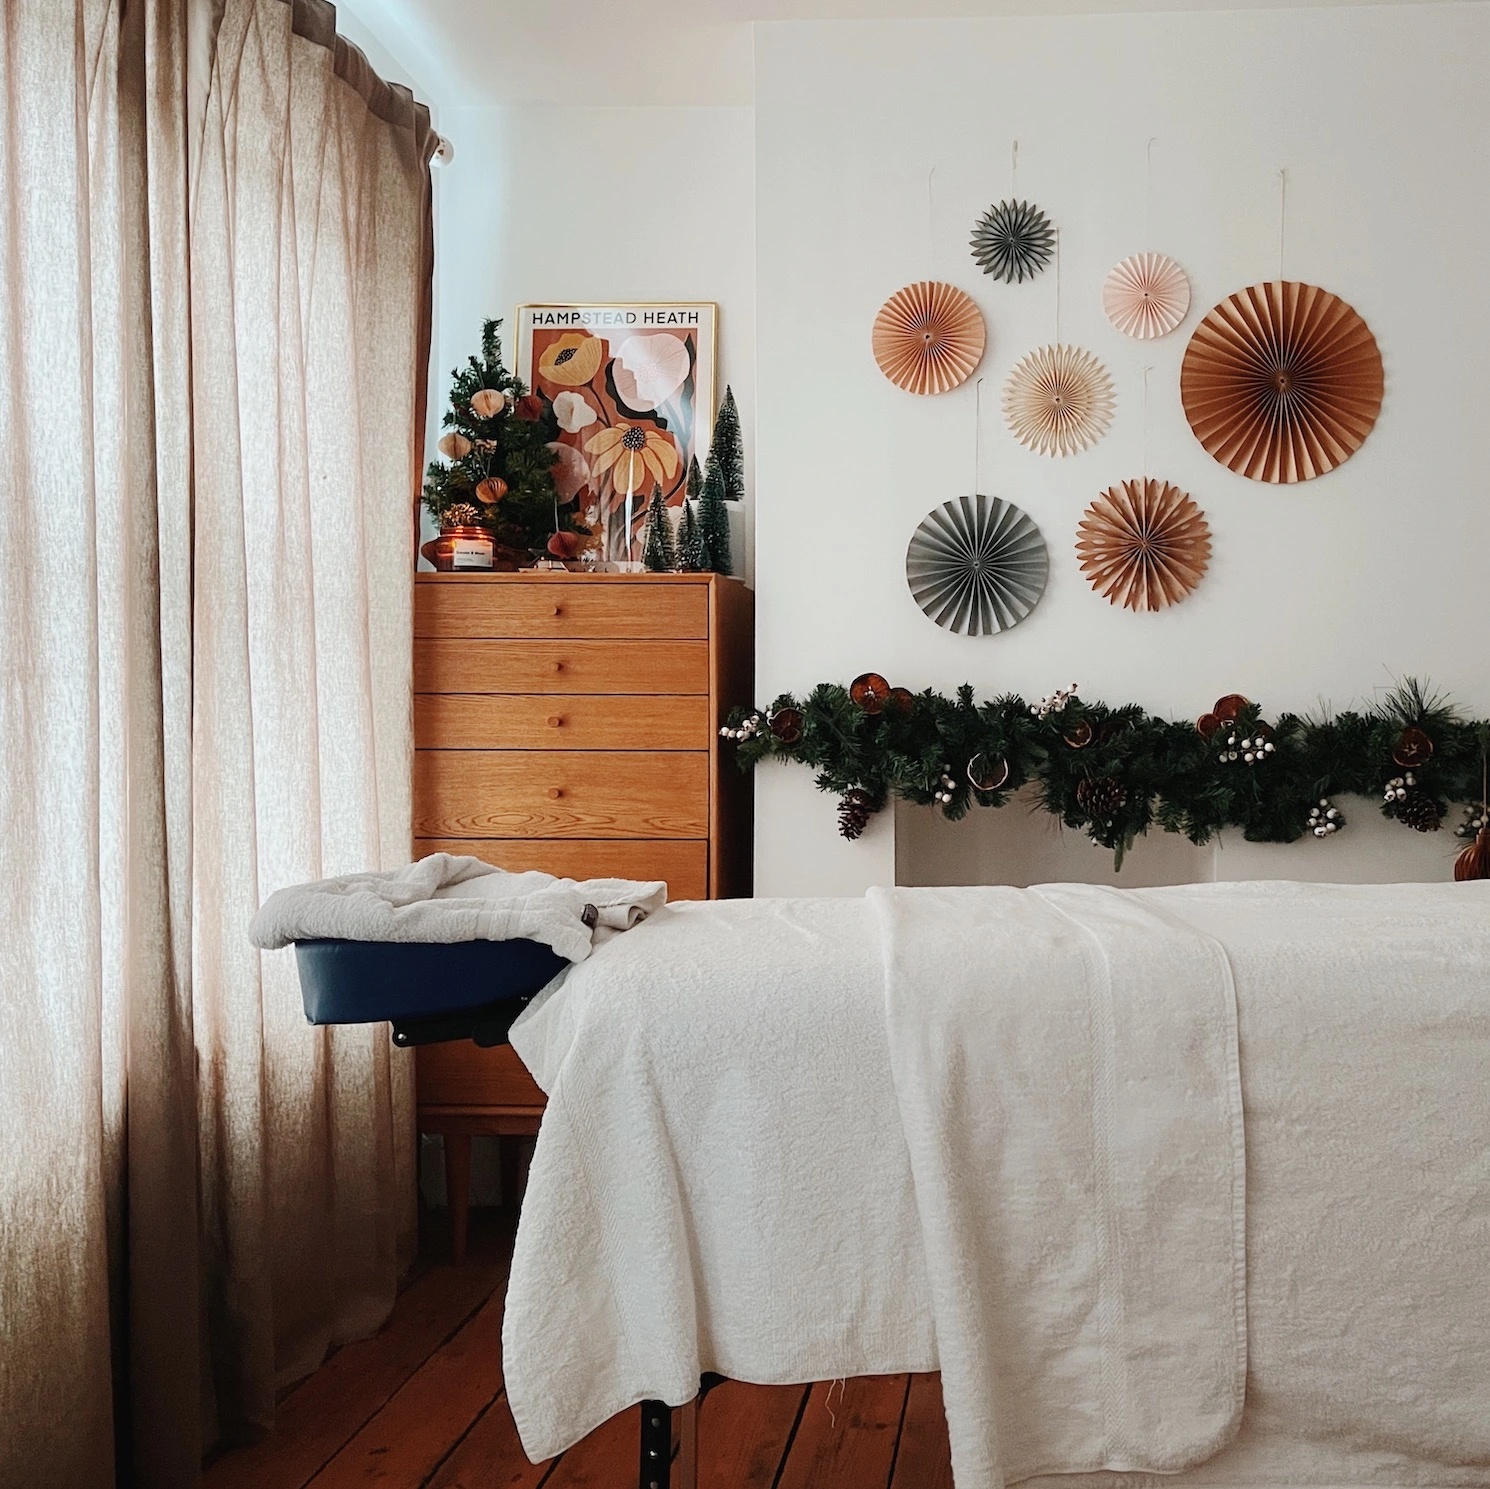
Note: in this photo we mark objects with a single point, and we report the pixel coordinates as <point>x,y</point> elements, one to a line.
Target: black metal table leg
<point>656,1446</point>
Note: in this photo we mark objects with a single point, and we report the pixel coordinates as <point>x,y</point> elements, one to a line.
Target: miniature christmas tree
<point>730,448</point>
<point>657,536</point>
<point>498,452</point>
<point>713,519</point>
<point>689,548</point>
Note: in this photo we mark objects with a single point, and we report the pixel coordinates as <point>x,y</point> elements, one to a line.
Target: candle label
<point>471,553</point>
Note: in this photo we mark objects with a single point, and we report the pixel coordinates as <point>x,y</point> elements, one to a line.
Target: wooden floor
<point>422,1404</point>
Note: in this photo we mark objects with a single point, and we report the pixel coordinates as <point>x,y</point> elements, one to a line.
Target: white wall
<point>550,203</point>
<point>1318,592</point>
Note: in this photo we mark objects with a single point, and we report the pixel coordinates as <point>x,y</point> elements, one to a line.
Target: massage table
<point>732,1180</point>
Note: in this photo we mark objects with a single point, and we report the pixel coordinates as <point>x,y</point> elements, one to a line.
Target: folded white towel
<point>448,898</point>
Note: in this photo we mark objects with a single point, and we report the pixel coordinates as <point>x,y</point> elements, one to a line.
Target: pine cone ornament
<point>854,811</point>
<point>462,514</point>
<point>1101,796</point>
<point>1420,811</point>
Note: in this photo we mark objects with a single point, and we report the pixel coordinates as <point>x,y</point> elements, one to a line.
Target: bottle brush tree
<point>657,536</point>
<point>713,519</point>
<point>498,453</point>
<point>729,446</point>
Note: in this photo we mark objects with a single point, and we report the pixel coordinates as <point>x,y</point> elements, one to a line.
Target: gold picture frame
<point>633,385</point>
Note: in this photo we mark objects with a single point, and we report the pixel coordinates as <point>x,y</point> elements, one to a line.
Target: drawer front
<point>560,794</point>
<point>649,667</point>
<point>463,1074</point>
<point>682,864</point>
<point>477,721</point>
<point>562,609</point>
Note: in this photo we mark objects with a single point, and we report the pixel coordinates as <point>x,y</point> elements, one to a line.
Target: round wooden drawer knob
<point>558,609</point>
<point>554,721</point>
<point>555,792</point>
<point>558,666</point>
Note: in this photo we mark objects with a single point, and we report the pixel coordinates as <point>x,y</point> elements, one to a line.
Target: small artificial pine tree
<point>730,448</point>
<point>690,555</point>
<point>500,462</point>
<point>713,520</point>
<point>657,536</point>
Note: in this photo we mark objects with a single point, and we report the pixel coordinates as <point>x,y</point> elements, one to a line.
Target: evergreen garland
<point>509,447</point>
<point>1114,773</point>
<point>713,520</point>
<point>657,536</point>
<point>729,445</point>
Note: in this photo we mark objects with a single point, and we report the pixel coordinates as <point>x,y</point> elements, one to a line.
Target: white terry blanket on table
<point>445,898</point>
<point>1066,1066</point>
<point>722,1180</point>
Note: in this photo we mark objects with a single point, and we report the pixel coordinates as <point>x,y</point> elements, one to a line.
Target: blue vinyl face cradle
<point>428,991</point>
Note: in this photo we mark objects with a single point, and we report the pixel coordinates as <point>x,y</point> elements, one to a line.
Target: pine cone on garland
<point>1101,796</point>
<point>1420,811</point>
<point>854,811</point>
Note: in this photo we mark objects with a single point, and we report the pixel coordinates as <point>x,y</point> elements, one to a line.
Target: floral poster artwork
<point>633,392</point>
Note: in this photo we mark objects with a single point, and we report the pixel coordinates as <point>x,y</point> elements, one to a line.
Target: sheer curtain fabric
<point>214,237</point>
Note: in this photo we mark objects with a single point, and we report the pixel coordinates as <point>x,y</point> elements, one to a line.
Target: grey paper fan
<point>977,565</point>
<point>1013,241</point>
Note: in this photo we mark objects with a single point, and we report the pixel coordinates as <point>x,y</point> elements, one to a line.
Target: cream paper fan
<point>1058,400</point>
<point>1146,296</point>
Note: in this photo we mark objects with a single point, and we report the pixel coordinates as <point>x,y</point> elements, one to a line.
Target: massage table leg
<point>659,1469</point>
<point>458,1191</point>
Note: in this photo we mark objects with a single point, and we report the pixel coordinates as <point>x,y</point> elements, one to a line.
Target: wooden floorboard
<point>744,1432</point>
<point>421,1406</point>
<point>316,1420</point>
<point>923,1459</point>
<point>847,1435</point>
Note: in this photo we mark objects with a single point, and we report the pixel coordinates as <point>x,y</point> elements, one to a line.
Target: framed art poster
<point>633,390</point>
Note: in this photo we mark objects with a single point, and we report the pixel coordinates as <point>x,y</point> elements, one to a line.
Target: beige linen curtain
<point>214,243</point>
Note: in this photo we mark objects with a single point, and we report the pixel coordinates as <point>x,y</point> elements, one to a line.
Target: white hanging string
<point>1282,217</point>
<point>1148,193</point>
<point>1146,372</point>
<point>930,220</point>
<point>1014,170</point>
<point>1057,286</point>
<point>977,433</point>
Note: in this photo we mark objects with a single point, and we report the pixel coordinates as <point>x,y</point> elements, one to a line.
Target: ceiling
<point>473,53</point>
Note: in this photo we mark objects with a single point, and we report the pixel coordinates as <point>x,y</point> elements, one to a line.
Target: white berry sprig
<point>1325,818</point>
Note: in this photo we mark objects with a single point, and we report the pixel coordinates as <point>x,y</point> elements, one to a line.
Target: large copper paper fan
<point>1282,382</point>
<point>1144,544</point>
<point>928,337</point>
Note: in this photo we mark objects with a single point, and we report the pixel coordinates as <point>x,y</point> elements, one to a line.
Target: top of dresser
<point>567,576</point>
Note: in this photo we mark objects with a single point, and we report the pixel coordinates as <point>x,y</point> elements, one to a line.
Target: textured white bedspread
<point>722,1181</point>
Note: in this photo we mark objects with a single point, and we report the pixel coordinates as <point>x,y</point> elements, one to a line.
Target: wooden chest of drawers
<point>569,722</point>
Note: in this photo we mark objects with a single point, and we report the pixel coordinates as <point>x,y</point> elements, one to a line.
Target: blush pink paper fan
<point>1146,296</point>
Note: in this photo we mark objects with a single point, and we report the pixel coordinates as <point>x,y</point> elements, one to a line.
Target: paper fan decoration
<point>1144,544</point>
<point>1013,241</point>
<point>1282,382</point>
<point>1146,295</point>
<point>977,565</point>
<point>1058,400</point>
<point>928,337</point>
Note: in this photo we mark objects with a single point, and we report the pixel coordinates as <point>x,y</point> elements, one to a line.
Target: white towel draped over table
<point>445,898</point>
<point>770,1154</point>
<point>1065,1061</point>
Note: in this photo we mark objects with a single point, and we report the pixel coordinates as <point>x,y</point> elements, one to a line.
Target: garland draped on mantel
<point>1115,772</point>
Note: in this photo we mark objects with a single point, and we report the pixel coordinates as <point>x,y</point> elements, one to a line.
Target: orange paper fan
<point>928,337</point>
<point>1282,382</point>
<point>1144,544</point>
<point>1146,295</point>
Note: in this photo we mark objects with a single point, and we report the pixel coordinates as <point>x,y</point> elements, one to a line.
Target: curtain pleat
<point>214,238</point>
